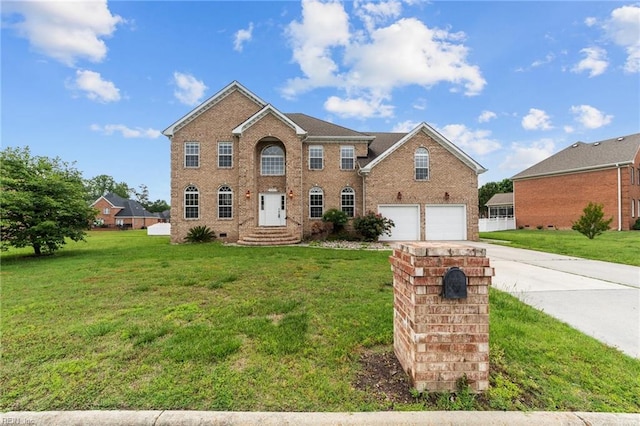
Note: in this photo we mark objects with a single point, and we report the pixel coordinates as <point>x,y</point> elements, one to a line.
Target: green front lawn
<point>612,246</point>
<point>126,321</point>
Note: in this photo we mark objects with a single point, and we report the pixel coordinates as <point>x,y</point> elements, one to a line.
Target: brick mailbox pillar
<point>439,340</point>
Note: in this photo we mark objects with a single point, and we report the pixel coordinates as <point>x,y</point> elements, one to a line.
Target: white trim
<point>264,111</point>
<point>424,127</point>
<point>213,100</point>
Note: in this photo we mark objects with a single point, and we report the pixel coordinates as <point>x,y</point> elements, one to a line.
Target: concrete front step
<point>272,236</point>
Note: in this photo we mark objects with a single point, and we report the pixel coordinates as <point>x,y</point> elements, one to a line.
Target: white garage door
<point>446,222</point>
<point>406,219</point>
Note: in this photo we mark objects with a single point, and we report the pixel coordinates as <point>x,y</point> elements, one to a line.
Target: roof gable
<point>213,100</point>
<point>582,156</point>
<point>500,199</point>
<point>268,109</point>
<point>428,130</point>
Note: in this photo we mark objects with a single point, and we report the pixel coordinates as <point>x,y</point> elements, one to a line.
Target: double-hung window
<point>191,202</point>
<point>225,202</point>
<point>347,157</point>
<point>348,201</point>
<point>421,163</point>
<point>192,154</point>
<point>316,203</point>
<point>225,155</point>
<point>316,157</point>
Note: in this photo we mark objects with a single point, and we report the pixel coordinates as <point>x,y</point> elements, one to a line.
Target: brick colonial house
<point>258,176</point>
<point>554,192</point>
<point>117,212</point>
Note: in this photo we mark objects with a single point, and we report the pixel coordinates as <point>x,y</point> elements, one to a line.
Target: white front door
<point>272,210</point>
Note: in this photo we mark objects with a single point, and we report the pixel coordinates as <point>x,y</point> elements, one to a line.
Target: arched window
<point>191,202</point>
<point>348,201</point>
<point>225,203</point>
<point>316,203</point>
<point>272,161</point>
<point>422,164</point>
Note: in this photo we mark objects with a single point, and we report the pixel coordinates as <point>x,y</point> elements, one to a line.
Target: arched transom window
<point>272,161</point>
<point>422,164</point>
<point>191,202</point>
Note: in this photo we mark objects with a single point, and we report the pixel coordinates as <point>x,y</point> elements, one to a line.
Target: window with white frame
<point>225,203</point>
<point>633,178</point>
<point>348,201</point>
<point>421,162</point>
<point>272,161</point>
<point>316,157</point>
<point>192,154</point>
<point>106,210</point>
<point>347,157</point>
<point>633,208</point>
<point>191,202</point>
<point>225,155</point>
<point>316,203</point>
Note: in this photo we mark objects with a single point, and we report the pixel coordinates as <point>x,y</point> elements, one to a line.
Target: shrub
<point>636,225</point>
<point>337,217</point>
<point>372,225</point>
<point>592,223</point>
<point>200,234</point>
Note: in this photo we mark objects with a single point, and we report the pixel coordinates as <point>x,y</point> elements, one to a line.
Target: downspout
<point>619,198</point>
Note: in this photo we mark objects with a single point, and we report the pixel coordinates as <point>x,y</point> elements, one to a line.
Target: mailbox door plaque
<point>454,284</point>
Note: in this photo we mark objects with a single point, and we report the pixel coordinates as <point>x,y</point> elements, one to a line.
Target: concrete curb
<point>231,418</point>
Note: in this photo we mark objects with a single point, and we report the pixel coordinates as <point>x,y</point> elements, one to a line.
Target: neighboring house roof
<point>582,156</point>
<point>504,199</point>
<point>130,208</point>
<point>422,127</point>
<point>213,100</point>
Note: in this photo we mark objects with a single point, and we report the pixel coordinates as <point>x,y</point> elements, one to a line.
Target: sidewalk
<point>424,418</point>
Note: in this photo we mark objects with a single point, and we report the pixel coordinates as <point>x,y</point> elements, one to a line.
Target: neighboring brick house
<point>256,175</point>
<point>117,212</point>
<point>554,192</point>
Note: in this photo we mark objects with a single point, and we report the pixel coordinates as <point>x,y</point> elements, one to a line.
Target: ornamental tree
<point>592,222</point>
<point>42,202</point>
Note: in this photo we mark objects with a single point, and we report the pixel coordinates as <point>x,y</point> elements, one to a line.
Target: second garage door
<point>406,219</point>
<point>446,222</point>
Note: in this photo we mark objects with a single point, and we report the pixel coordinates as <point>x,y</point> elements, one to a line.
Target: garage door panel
<point>406,219</point>
<point>446,222</point>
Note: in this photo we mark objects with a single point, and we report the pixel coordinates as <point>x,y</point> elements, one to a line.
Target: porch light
<point>399,196</point>
<point>446,195</point>
<point>248,194</point>
<point>291,193</point>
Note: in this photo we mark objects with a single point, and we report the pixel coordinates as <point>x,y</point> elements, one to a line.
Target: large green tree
<point>103,184</point>
<point>42,202</point>
<point>489,189</point>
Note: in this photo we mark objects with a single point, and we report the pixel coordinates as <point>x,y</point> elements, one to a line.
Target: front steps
<point>269,236</point>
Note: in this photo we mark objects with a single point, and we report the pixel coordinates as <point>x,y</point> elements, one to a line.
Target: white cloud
<point>420,104</point>
<point>189,90</point>
<point>537,119</point>
<point>241,37</point>
<point>405,126</point>
<point>330,54</point>
<point>523,155</point>
<point>65,31</point>
<point>474,141</point>
<point>94,87</point>
<point>624,29</point>
<point>547,59</point>
<point>358,107</point>
<point>486,116</point>
<point>569,129</point>
<point>590,21</point>
<point>595,61</point>
<point>590,117</point>
<point>126,132</point>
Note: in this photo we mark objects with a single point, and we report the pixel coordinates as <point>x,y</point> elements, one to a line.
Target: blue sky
<point>510,83</point>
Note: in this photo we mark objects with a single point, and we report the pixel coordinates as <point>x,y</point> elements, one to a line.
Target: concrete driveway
<point>600,299</point>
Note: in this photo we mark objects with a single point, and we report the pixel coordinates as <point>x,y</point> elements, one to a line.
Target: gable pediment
<point>268,109</point>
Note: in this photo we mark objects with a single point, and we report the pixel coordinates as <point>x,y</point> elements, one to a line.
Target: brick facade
<point>558,201</point>
<point>215,121</point>
<point>439,341</point>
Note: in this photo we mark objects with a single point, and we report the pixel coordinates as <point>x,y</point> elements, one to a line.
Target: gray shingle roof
<point>130,208</point>
<point>585,156</point>
<point>382,142</point>
<point>316,127</point>
<point>500,199</point>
